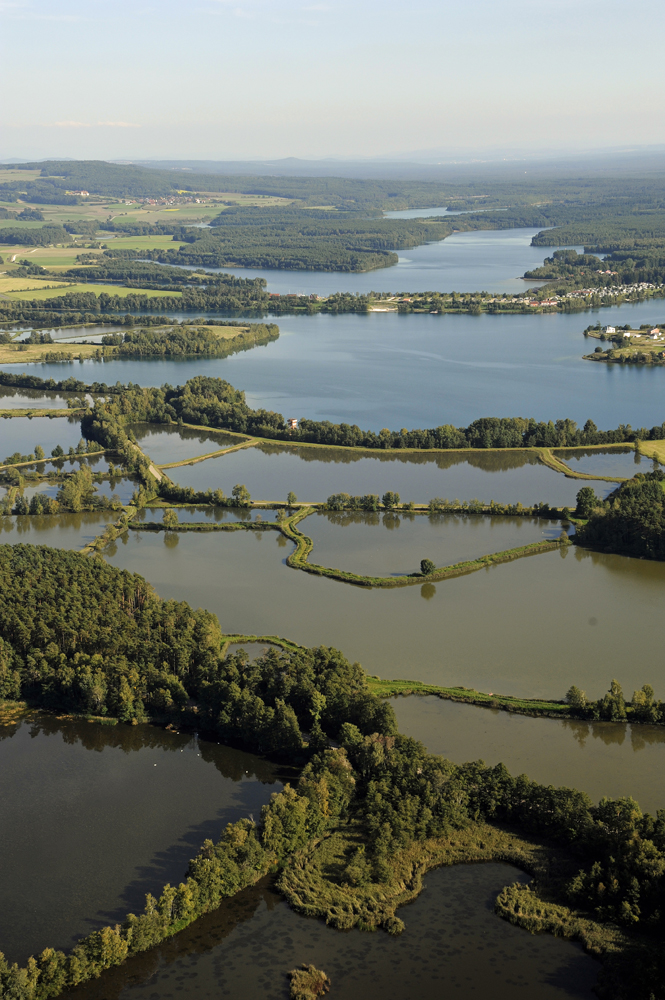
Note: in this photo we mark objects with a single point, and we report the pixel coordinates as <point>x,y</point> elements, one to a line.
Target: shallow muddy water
<point>531,627</point>
<point>389,544</point>
<point>270,472</point>
<point>96,816</point>
<point>600,758</point>
<point>453,944</point>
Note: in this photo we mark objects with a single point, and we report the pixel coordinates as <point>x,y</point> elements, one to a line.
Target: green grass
<point>48,293</point>
<point>521,706</point>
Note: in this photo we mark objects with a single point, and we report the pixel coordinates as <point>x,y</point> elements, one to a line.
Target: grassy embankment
<point>249,443</point>
<point>304,546</point>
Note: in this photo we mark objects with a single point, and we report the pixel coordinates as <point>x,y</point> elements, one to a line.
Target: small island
<point>645,346</point>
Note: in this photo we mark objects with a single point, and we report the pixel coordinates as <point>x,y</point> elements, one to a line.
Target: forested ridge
<point>214,402</point>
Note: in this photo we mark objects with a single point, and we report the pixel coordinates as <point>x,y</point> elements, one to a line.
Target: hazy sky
<point>227,79</point>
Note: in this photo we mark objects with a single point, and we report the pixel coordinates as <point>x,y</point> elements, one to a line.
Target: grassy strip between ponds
<point>305,545</point>
<point>27,412</point>
<point>521,706</point>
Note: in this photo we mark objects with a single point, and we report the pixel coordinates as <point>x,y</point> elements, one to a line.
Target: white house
<point>609,329</point>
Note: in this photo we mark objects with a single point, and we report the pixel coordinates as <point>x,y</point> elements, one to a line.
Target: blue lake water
<point>386,370</point>
<point>488,260</point>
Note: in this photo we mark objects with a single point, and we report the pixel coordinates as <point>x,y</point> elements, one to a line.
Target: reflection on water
<point>60,531</point>
<point>22,434</point>
<point>530,627</point>
<point>617,462</point>
<point>600,758</point>
<point>386,370</point>
<point>20,399</point>
<point>188,515</point>
<point>95,816</point>
<point>453,944</point>
<point>170,443</point>
<point>386,544</point>
<point>270,472</point>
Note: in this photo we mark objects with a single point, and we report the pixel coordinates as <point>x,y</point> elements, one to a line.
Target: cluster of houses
<point>654,334</point>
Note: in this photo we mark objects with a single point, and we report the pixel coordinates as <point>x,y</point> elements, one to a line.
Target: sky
<point>257,79</point>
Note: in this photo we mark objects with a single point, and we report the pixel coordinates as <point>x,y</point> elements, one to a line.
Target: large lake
<point>486,260</point>
<point>386,370</point>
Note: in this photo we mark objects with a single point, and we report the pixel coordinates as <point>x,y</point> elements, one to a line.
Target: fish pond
<point>270,472</point>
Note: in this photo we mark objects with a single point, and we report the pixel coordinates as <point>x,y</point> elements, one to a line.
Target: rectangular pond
<point>59,531</point>
<point>271,471</point>
<point>166,443</point>
<point>617,462</point>
<point>22,434</point>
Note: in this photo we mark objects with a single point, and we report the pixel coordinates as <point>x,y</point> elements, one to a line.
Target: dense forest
<point>185,341</point>
<point>78,634</point>
<point>631,521</point>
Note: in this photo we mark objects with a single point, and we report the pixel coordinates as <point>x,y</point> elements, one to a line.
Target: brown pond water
<point>269,472</point>
<point>376,544</point>
<point>453,945</point>
<point>531,627</point>
<point>96,816</point>
<point>600,758</point>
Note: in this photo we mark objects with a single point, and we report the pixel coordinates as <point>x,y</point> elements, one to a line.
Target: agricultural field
<point>55,258</point>
<point>9,284</point>
<point>22,353</point>
<point>78,289</point>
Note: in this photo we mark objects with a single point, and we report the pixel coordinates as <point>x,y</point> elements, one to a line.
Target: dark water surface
<point>453,945</point>
<point>270,472</point>
<point>600,758</point>
<point>95,816</point>
<point>531,627</point>
<point>386,370</point>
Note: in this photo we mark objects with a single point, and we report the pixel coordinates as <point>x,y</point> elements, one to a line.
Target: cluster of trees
<point>631,521</point>
<point>612,706</point>
<point>342,501</point>
<point>43,236</point>
<point>188,340</point>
